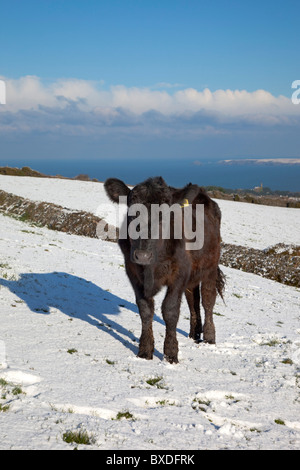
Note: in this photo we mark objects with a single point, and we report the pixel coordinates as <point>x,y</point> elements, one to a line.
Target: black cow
<point>152,263</point>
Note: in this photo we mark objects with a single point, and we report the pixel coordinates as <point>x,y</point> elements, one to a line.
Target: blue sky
<point>216,44</point>
<point>128,78</point>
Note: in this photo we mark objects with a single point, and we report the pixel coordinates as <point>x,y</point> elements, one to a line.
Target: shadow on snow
<point>77,298</point>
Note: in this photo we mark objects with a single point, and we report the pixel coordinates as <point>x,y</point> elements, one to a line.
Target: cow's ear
<point>115,188</point>
<point>188,195</point>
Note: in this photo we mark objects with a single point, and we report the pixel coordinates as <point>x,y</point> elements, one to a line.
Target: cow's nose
<point>142,256</point>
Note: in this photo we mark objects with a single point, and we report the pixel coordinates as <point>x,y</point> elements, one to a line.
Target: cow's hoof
<point>144,355</point>
<point>209,341</point>
<point>209,334</point>
<point>172,359</point>
<point>196,337</point>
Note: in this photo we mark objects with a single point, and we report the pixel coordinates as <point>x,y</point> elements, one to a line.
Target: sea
<point>283,177</point>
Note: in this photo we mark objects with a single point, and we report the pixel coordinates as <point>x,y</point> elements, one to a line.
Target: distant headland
<point>262,161</point>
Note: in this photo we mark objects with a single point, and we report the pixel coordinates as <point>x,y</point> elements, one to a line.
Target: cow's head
<point>142,201</point>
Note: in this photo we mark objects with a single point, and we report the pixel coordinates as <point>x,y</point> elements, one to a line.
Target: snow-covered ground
<point>69,332</point>
<point>242,224</point>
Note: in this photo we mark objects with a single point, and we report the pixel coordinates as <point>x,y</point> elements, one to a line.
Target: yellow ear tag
<point>186,203</point>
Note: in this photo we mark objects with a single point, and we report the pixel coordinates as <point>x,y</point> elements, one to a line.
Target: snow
<point>69,330</point>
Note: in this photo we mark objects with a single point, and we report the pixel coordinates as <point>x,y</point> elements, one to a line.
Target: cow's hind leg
<point>193,300</point>
<point>208,295</point>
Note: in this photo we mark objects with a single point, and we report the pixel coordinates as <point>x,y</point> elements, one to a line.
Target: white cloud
<point>30,92</point>
<point>82,107</point>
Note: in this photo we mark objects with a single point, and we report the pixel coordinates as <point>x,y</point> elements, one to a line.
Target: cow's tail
<point>220,284</point>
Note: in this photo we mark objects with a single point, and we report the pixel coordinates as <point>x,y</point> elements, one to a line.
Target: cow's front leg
<point>146,309</point>
<point>170,312</point>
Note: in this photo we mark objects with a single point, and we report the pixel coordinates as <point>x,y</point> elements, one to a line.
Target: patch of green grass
<point>165,403</point>
<point>200,404</point>
<point>255,430</point>
<point>3,383</point>
<point>78,437</point>
<point>111,363</point>
<point>155,382</point>
<point>8,388</point>
<point>287,361</point>
<point>11,277</point>
<point>24,217</point>
<point>28,231</point>
<point>72,351</point>
<point>279,421</point>
<point>238,296</point>
<point>125,415</point>
<point>3,408</point>
<point>4,265</point>
<point>17,391</point>
<point>272,342</point>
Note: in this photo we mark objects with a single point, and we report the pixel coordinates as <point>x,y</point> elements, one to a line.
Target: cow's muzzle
<point>142,257</point>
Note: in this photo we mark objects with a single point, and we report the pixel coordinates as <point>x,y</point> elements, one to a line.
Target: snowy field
<point>69,332</point>
<point>242,224</point>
